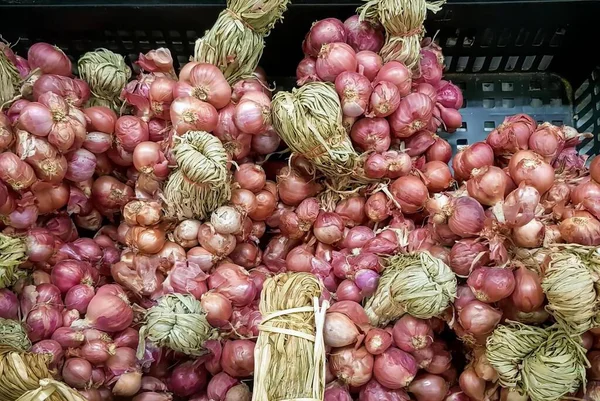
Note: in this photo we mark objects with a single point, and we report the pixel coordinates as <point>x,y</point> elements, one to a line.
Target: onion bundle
<point>309,120</point>
<point>403,23</point>
<point>290,352</point>
<point>12,254</point>
<point>179,323</point>
<point>418,284</point>
<point>236,40</point>
<point>545,364</point>
<point>201,183</point>
<point>106,73</point>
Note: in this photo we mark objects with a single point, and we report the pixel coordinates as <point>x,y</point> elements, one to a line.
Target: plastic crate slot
<point>463,127</point>
<point>522,37</point>
<point>582,104</point>
<point>508,102</point>
<point>489,103</point>
<point>462,63</point>
<point>487,86</point>
<point>478,63</point>
<point>451,42</point>
<point>539,37</point>
<point>558,37</point>
<point>504,39</point>
<point>495,63</point>
<point>511,63</point>
<point>489,125</point>
<point>535,85</point>
<point>462,142</point>
<point>536,102</point>
<point>507,86</point>
<point>585,121</point>
<point>557,122</point>
<point>487,38</point>
<point>468,41</point>
<point>545,62</point>
<point>528,63</point>
<point>555,102</point>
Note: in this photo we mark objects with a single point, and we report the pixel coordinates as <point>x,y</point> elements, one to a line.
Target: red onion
<point>107,313</point>
<point>471,384</point>
<point>363,35</point>
<point>520,206</point>
<point>42,321</point>
<point>49,59</point>
<point>127,338</point>
<point>110,194</point>
<point>276,252</point>
<point>430,68</point>
<point>339,330</point>
<point>328,227</point>
<point>333,59</point>
<point>411,333</point>
<point>348,291</point>
<point>428,387</point>
<point>378,341</point>
<point>512,135</point>
<point>78,297</point>
<point>74,91</point>
<point>410,193</point>
<point>238,358</point>
<point>77,372</point>
<point>396,73</point>
<point>377,207</point>
<point>188,378</point>
<point>385,99</point>
<point>352,366</point>
<point>438,175</point>
<point>466,216</point>
<point>491,284</point>
<point>328,30</point>
<point>218,308</point>
<point>208,84</point>
<point>52,348</point>
<point>583,229</point>
<point>488,185</point>
<point>40,244</point>
<point>68,273</point>
<point>449,95</point>
<point>441,361</point>
<point>189,113</point>
<point>369,63</point>
<point>9,304</point>
<point>234,282</point>
<point>306,71</point>
<point>251,177</point>
<point>466,255</point>
<point>351,210</point>
<point>413,114</point>
<point>439,150</point>
<point>371,134</point>
<point>394,368</point>
<point>530,235</point>
<point>252,114</point>
<point>373,391</point>
<point>354,91</point>
<point>531,169</point>
<point>528,295</point>
<point>479,318</point>
<point>547,141</point>
<point>266,142</point>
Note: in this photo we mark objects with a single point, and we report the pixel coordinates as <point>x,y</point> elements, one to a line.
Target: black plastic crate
<point>536,57</point>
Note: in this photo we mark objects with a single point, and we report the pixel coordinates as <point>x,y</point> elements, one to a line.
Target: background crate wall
<point>508,56</point>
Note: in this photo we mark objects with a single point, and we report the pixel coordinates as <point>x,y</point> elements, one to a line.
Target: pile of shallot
<point>388,113</point>
<point>82,187</point>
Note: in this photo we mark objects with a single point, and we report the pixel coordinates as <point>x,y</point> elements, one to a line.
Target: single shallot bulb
<point>384,99</point>
<point>354,91</point>
<point>333,59</point>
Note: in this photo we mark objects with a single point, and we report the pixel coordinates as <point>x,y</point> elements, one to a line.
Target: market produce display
<point>193,234</point>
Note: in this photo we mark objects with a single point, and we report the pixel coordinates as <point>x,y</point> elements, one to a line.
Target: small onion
<point>394,368</point>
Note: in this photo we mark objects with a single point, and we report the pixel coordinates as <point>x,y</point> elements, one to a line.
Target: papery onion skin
<point>371,134</point>
<point>378,341</point>
<point>333,59</point>
<point>370,63</point>
<point>339,330</point>
<point>323,32</point>
<point>396,73</point>
<point>351,366</point>
<point>354,91</point>
<point>428,387</point>
<point>528,294</point>
<point>411,334</point>
<point>491,284</point>
<point>238,358</point>
<point>479,318</point>
<point>363,35</point>
<point>410,193</point>
<point>467,217</point>
<point>394,368</point>
<point>413,115</point>
<point>582,229</point>
<point>531,169</point>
